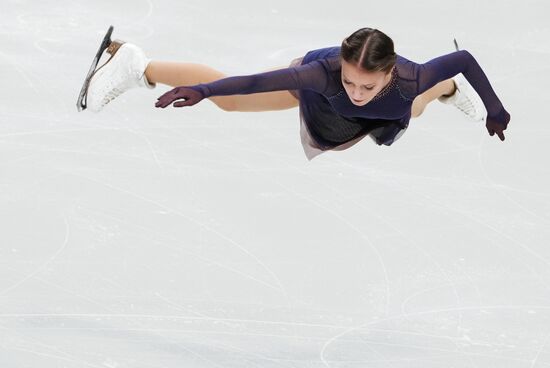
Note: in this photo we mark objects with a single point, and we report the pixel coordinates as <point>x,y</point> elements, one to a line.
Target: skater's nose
<point>356,95</point>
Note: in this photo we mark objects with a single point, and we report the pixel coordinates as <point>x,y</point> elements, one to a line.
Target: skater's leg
<point>444,88</point>
<point>187,74</point>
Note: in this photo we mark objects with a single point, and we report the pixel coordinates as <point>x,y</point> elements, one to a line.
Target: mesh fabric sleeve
<point>312,76</point>
<point>447,66</point>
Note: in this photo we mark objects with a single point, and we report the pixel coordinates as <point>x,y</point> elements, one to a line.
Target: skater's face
<point>361,85</point>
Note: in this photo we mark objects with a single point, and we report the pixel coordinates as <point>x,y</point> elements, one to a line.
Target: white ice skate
<point>123,71</point>
<point>466,99</point>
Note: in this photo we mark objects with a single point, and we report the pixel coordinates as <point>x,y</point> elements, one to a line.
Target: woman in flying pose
<point>344,93</point>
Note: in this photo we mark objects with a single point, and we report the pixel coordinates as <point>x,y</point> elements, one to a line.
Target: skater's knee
<point>416,112</point>
<point>418,107</point>
<point>230,107</point>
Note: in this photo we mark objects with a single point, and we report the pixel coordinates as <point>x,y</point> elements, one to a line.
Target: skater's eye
<point>363,86</point>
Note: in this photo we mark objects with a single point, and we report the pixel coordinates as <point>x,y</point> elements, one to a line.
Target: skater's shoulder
<point>406,69</point>
<point>322,53</point>
<point>400,59</point>
<point>407,77</point>
<point>404,62</point>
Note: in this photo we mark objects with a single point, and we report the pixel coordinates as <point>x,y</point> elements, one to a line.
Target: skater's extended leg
<point>187,74</point>
<point>444,88</point>
<point>129,68</point>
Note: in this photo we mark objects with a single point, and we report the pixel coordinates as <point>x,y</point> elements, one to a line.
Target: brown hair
<point>370,49</point>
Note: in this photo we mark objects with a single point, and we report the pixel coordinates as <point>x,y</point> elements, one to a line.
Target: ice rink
<point>194,237</point>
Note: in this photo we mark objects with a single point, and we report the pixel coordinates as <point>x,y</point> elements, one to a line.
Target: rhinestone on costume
<point>388,88</point>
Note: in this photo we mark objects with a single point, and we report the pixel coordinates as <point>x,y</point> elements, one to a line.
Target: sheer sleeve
<point>447,66</point>
<point>312,76</point>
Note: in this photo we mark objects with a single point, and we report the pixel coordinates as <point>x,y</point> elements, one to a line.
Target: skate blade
<point>105,43</point>
<point>113,47</point>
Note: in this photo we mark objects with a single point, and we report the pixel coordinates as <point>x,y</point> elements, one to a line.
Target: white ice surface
<point>195,237</point>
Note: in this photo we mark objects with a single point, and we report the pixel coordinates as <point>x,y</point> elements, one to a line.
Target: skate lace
<point>466,105</point>
<point>111,95</point>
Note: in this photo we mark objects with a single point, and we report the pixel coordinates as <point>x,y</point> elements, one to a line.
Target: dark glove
<point>498,124</point>
<point>190,95</point>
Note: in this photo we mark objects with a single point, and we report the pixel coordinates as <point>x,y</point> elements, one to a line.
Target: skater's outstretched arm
<point>447,66</point>
<point>312,76</point>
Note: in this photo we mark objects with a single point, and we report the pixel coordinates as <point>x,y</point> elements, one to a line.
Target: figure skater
<point>344,93</point>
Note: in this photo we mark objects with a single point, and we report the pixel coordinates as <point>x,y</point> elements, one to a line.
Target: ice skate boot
<point>466,99</point>
<point>125,69</point>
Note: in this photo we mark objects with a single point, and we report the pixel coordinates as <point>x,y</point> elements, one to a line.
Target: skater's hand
<point>498,124</point>
<point>189,95</point>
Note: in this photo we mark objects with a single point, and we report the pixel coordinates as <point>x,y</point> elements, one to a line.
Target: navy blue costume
<point>332,119</point>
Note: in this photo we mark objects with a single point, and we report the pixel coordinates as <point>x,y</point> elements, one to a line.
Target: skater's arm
<point>447,66</point>
<point>312,76</point>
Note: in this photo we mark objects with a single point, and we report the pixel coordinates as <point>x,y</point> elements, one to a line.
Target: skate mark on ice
<point>442,272</point>
<point>64,355</point>
<point>160,237</point>
<point>546,341</point>
<point>436,264</point>
<point>132,321</point>
<point>45,264</point>
<point>200,224</point>
<point>520,244</point>
<point>499,188</point>
<point>480,308</point>
<point>397,230</point>
<point>431,200</point>
<point>162,317</point>
<point>215,332</point>
<point>53,356</point>
<point>150,145</point>
<point>19,70</point>
<point>144,137</point>
<point>446,338</point>
<point>269,270</point>
<point>468,215</point>
<point>354,228</point>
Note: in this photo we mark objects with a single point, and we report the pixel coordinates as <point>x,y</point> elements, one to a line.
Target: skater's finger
<point>165,102</point>
<point>163,96</point>
<point>189,97</point>
<point>501,136</point>
<point>170,94</point>
<point>161,100</point>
